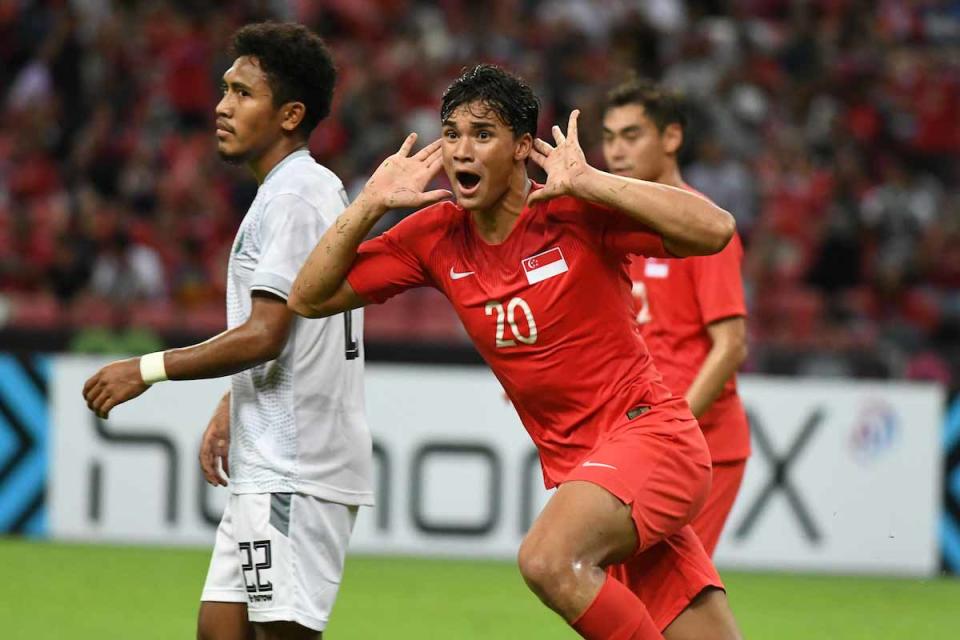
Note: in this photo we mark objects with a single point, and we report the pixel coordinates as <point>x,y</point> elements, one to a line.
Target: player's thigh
<point>662,470</point>
<point>584,521</point>
<point>223,606</point>
<point>707,617</point>
<point>223,621</point>
<point>285,631</point>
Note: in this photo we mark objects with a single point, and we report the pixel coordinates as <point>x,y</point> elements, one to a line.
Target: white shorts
<point>282,554</point>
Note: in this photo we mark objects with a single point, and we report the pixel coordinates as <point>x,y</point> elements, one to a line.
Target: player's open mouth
<point>468,182</point>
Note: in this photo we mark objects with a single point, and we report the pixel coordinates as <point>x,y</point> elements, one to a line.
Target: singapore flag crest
<point>544,265</point>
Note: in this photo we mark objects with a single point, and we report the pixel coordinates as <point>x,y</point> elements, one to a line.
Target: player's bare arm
<point>216,443</point>
<point>729,350</point>
<point>321,288</point>
<point>260,339</point>
<point>690,225</point>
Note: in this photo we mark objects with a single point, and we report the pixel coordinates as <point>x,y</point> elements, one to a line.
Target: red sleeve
<point>614,231</point>
<point>389,263</point>
<point>719,284</point>
<point>622,234</point>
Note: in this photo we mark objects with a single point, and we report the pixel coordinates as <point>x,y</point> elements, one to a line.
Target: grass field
<point>55,591</point>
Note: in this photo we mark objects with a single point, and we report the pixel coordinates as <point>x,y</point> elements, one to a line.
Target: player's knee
<point>547,572</point>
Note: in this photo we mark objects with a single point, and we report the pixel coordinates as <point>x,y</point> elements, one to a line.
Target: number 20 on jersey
<point>508,317</point>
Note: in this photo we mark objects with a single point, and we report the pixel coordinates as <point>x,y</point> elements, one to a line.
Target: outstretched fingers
<point>543,147</point>
<point>428,150</point>
<point>433,159</point>
<point>407,145</point>
<point>431,197</point>
<point>538,158</point>
<point>572,127</point>
<point>548,192</point>
<point>540,152</point>
<point>558,136</point>
<point>431,167</point>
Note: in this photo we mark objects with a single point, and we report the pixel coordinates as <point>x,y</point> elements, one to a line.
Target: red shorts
<point>708,524</point>
<point>661,468</point>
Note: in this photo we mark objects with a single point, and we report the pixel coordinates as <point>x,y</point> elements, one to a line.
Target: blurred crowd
<point>829,128</point>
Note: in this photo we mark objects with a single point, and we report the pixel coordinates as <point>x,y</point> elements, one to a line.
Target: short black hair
<point>505,94</point>
<point>297,63</point>
<point>663,106</point>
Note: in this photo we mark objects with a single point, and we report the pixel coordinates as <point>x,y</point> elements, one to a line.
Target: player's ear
<point>291,115</point>
<point>672,138</point>
<point>522,148</point>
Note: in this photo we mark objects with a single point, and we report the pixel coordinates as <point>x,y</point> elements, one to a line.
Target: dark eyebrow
<point>235,85</point>
<point>475,124</point>
<point>633,128</point>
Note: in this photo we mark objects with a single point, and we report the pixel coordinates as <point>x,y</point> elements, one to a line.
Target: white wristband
<point>152,369</point>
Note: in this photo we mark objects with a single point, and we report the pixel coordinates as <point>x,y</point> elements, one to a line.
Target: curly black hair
<point>508,96</point>
<point>297,63</point>
<point>661,105</point>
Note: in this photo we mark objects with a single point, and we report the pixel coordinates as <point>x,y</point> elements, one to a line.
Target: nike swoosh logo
<point>598,464</point>
<point>456,276</point>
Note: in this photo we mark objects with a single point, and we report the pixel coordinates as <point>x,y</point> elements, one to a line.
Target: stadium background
<point>829,128</point>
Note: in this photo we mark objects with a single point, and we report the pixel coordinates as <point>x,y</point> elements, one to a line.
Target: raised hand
<point>400,180</point>
<point>564,164</point>
<point>114,384</point>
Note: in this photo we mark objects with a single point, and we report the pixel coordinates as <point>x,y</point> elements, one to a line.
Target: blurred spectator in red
<point>829,129</point>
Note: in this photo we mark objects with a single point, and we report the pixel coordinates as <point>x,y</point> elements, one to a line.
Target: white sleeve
<point>289,230</point>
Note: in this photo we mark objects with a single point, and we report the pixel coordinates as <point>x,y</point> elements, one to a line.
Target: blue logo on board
<point>875,431</point>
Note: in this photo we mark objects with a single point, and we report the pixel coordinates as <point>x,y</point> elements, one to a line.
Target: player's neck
<point>496,222</point>
<point>260,167</point>
<point>671,177</point>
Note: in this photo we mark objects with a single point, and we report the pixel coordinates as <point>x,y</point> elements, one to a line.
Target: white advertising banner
<point>134,478</point>
<point>845,476</point>
<point>458,474</point>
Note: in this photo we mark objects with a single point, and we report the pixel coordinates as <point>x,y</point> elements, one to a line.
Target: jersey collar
<point>293,155</point>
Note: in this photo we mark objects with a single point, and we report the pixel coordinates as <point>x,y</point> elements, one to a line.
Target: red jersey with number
<point>549,309</point>
<point>674,301</point>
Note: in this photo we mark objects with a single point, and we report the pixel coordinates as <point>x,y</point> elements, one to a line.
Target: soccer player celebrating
<point>690,312</point>
<point>537,275</point>
<point>299,460</point>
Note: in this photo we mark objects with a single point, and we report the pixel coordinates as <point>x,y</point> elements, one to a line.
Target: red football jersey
<point>675,300</point>
<point>549,309</point>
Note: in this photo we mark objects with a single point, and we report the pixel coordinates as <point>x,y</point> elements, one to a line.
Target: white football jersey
<point>297,423</point>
